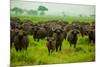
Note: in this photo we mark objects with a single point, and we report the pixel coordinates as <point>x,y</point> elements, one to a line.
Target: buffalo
<point>27,26</point>
<point>51,43</point>
<point>21,40</point>
<point>91,35</point>
<point>58,35</point>
<point>72,37</point>
<point>39,32</point>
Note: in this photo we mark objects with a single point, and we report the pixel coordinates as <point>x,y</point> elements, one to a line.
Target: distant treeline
<point>19,11</point>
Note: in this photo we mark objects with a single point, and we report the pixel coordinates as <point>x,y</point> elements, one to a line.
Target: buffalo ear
<point>62,29</point>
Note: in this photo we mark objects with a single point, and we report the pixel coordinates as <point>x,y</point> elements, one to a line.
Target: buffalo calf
<point>51,43</point>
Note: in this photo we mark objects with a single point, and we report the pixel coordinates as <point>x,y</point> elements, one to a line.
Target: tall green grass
<point>36,19</point>
<point>37,53</point>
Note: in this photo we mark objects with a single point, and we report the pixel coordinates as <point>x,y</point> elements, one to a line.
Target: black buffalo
<point>91,35</point>
<point>51,43</point>
<point>58,35</point>
<point>21,40</point>
<point>39,32</point>
<point>72,37</point>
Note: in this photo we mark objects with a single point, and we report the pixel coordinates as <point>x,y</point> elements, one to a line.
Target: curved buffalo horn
<point>53,29</point>
<point>63,29</point>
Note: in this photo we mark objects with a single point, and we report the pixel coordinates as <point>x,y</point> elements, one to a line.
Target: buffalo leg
<point>17,49</point>
<point>70,45</point>
<point>20,49</point>
<point>74,45</point>
<point>56,48</point>
<point>49,51</point>
<point>60,47</point>
<point>93,40</point>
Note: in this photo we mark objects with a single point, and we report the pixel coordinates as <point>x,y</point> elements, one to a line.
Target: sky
<point>56,8</point>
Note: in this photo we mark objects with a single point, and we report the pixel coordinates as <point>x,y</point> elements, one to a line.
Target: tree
<point>32,12</point>
<point>17,10</point>
<point>63,13</point>
<point>80,15</point>
<point>42,9</point>
<point>92,15</point>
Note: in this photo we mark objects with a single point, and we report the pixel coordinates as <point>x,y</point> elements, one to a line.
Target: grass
<point>37,52</point>
<point>40,19</point>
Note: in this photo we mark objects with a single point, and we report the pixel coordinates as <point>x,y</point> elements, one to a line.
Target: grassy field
<point>36,19</point>
<point>37,52</point>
